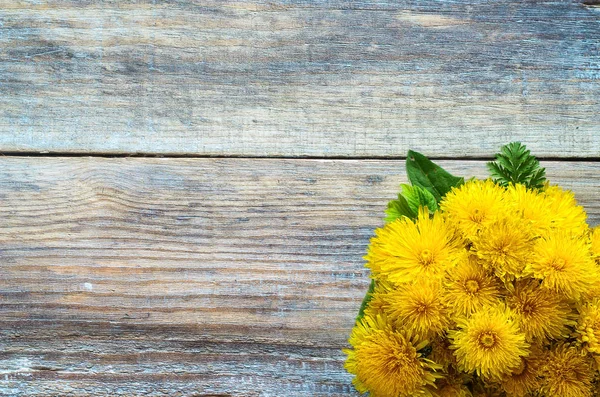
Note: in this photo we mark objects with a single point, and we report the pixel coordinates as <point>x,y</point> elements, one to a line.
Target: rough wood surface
<point>359,78</point>
<point>193,277</point>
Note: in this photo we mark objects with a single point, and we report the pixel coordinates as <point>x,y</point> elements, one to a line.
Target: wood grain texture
<point>359,78</point>
<point>193,277</point>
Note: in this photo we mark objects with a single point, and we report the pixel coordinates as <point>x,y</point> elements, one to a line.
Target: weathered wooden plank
<point>192,277</point>
<point>359,78</point>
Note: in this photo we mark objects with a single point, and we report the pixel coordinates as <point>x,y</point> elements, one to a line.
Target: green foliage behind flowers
<point>409,201</point>
<point>515,164</point>
<point>425,173</point>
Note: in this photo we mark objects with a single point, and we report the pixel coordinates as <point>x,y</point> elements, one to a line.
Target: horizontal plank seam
<point>299,157</point>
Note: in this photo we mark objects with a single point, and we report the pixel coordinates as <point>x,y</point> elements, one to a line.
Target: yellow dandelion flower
<point>454,390</point>
<point>525,378</point>
<point>441,353</point>
<point>564,264</point>
<point>489,393</point>
<point>403,250</point>
<point>504,246</point>
<point>588,326</point>
<point>469,287</point>
<point>540,313</point>
<point>531,206</point>
<point>453,384</point>
<point>566,373</point>
<point>566,214</point>
<point>481,389</point>
<point>379,302</point>
<point>596,388</point>
<point>594,291</point>
<point>386,363</point>
<point>474,205</point>
<point>419,307</point>
<point>489,342</point>
<point>595,239</point>
<point>594,277</point>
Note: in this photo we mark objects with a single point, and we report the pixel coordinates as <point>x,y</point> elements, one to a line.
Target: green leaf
<point>417,196</point>
<point>515,164</point>
<point>366,300</point>
<point>424,173</point>
<point>408,203</point>
<point>398,208</point>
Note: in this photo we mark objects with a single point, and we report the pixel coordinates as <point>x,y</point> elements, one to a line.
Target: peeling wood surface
<point>193,277</point>
<point>292,78</point>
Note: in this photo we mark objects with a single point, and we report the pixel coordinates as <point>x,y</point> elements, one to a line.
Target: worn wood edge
<point>465,156</point>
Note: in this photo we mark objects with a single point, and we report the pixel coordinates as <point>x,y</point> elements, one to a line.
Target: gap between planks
<point>258,157</point>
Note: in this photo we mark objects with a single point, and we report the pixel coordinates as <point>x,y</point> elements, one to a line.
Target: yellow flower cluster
<point>495,294</point>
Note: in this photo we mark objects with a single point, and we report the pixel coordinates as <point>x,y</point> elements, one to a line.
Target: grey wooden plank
<point>299,78</point>
<point>193,277</point>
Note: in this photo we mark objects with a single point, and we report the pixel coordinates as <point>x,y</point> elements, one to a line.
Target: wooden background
<point>187,188</point>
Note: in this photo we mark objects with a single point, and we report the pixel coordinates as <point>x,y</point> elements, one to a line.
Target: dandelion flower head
<point>387,363</point>
<point>489,343</point>
<point>403,250</point>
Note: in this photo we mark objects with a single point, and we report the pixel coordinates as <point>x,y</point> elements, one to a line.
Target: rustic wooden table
<point>187,188</point>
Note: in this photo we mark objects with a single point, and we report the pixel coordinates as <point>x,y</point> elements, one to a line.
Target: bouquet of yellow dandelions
<point>480,288</point>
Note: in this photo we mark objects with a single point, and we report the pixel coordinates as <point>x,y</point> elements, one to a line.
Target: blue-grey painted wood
<point>299,78</point>
<point>193,277</point>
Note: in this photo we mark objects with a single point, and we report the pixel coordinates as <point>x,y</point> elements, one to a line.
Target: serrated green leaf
<point>538,179</point>
<point>417,196</point>
<point>515,164</point>
<point>366,300</point>
<point>424,173</point>
<point>398,208</point>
